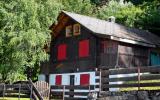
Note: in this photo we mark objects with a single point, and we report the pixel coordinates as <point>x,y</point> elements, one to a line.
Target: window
<point>69,31</point>
<point>84,48</point>
<point>84,79</point>
<point>62,51</point>
<point>58,80</point>
<point>76,28</point>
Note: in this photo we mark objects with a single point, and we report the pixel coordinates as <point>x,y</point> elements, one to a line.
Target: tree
<point>150,18</point>
<point>24,29</point>
<point>79,6</point>
<point>23,32</point>
<point>125,13</point>
<point>139,2</point>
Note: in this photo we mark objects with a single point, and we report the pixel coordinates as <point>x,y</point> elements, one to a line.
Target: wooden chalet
<point>82,45</point>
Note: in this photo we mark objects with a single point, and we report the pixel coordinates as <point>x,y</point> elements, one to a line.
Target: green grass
<point>14,98</point>
<point>142,88</point>
<point>20,99</point>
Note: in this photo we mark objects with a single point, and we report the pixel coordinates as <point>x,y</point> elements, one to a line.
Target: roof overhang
<point>132,41</point>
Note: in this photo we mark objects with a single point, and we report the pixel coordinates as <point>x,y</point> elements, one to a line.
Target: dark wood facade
<point>103,52</point>
<point>73,62</point>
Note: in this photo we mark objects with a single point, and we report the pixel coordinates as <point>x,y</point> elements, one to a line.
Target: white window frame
<point>69,28</point>
<point>75,31</point>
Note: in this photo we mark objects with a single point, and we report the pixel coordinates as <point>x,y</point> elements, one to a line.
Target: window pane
<point>76,29</point>
<point>62,52</point>
<point>84,48</point>
<point>69,31</point>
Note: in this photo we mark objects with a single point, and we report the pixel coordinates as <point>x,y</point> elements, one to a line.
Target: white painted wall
<point>66,78</point>
<point>77,79</point>
<point>52,78</point>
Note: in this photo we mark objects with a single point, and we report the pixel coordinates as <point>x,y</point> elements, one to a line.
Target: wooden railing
<point>35,91</point>
<point>21,90</point>
<point>129,77</point>
<point>15,90</point>
<point>65,92</point>
<point>135,77</point>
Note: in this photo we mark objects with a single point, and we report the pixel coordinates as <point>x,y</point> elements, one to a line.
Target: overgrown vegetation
<point>24,27</point>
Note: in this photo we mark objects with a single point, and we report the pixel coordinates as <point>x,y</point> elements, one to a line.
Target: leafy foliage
<point>138,2</point>
<point>24,30</point>
<point>150,18</point>
<point>79,6</point>
<point>125,13</point>
<point>24,27</point>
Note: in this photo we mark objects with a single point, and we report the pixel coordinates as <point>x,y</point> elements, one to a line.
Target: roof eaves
<point>132,41</point>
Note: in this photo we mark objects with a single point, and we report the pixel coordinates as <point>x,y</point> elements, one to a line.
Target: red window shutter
<point>58,80</point>
<point>62,51</point>
<point>84,48</point>
<point>84,79</point>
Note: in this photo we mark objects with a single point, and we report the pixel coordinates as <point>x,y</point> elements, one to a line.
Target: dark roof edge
<point>132,41</point>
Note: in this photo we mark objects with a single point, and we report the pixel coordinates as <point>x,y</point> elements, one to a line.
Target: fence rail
<point>70,91</point>
<point>15,90</point>
<point>21,90</point>
<point>129,77</point>
<point>108,79</point>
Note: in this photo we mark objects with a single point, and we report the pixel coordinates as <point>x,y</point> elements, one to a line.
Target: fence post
<point>19,91</point>
<point>31,92</point>
<point>100,82</point>
<point>63,92</point>
<point>4,87</point>
<point>139,77</point>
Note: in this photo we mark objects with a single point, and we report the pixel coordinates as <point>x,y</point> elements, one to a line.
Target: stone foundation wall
<point>134,95</point>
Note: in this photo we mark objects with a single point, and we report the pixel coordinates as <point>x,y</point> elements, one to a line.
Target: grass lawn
<point>142,88</point>
<point>20,99</point>
<point>14,98</point>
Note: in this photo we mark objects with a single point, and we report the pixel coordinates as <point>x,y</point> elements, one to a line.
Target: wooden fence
<point>136,77</point>
<point>119,78</point>
<point>26,90</point>
<point>15,90</point>
<point>113,80</point>
<point>69,92</point>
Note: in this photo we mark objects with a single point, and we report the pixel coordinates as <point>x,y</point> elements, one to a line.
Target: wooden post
<point>19,91</point>
<point>63,92</point>
<point>35,90</point>
<point>139,78</point>
<point>100,82</point>
<point>31,89</point>
<point>4,91</point>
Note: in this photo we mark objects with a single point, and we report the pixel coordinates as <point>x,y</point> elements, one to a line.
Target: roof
<point>115,31</point>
